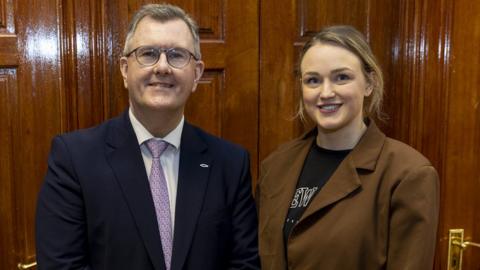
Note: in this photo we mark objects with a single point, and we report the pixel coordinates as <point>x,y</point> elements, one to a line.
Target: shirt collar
<point>143,134</point>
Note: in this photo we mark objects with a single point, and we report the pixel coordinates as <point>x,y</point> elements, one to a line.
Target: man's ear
<point>124,70</point>
<point>199,67</point>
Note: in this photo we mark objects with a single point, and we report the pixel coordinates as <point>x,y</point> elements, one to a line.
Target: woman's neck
<point>342,139</point>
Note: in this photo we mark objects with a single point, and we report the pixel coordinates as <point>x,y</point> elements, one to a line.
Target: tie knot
<point>156,147</point>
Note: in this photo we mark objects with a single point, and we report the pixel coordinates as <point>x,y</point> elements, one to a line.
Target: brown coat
<point>379,210</point>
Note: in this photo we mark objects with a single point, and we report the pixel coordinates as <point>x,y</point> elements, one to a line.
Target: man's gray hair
<point>163,13</point>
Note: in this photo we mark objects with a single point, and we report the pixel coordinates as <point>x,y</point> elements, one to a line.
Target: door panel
<point>8,239</point>
<point>8,101</point>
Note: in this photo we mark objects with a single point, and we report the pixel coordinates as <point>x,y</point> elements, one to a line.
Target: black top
<point>319,166</point>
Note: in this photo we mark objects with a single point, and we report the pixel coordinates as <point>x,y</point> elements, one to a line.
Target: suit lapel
<point>194,169</point>
<point>124,156</point>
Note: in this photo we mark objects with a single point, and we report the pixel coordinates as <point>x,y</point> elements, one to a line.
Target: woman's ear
<point>371,82</point>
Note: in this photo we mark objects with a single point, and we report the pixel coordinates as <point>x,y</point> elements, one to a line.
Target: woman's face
<point>333,88</point>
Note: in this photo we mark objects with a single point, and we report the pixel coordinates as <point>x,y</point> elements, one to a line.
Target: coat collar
<point>345,180</point>
<point>289,161</point>
<point>124,156</point>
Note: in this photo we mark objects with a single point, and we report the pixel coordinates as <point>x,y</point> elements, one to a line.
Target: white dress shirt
<point>170,158</point>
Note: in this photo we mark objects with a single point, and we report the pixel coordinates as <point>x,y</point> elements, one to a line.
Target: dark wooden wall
<point>59,72</point>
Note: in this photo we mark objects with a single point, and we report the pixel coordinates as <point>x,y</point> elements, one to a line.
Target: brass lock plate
<point>455,250</point>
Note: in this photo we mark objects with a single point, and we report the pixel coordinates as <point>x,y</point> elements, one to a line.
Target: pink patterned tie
<point>158,186</point>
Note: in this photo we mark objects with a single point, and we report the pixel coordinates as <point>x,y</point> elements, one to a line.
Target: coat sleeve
<point>61,236</point>
<point>257,188</point>
<point>245,223</point>
<point>413,220</point>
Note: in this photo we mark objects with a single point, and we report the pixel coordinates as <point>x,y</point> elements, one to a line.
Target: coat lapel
<point>194,169</point>
<point>345,179</point>
<point>125,158</point>
<point>279,193</point>
<point>291,167</point>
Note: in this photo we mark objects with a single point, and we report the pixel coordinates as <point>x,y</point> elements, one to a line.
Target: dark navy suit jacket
<point>95,210</point>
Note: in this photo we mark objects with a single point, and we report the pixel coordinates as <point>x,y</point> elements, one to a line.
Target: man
<point>113,200</point>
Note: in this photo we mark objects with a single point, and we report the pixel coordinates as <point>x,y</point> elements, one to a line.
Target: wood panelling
<point>3,14</point>
<point>210,18</point>
<point>240,114</point>
<point>416,50</point>
<point>6,17</point>
<point>9,111</point>
<point>8,39</point>
<point>38,114</point>
<point>278,97</point>
<point>8,51</point>
<point>419,53</point>
<point>461,184</point>
<point>118,14</point>
<point>204,106</point>
<point>83,54</point>
<point>313,14</point>
<point>8,102</point>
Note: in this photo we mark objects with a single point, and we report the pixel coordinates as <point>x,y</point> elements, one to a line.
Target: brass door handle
<point>466,244</point>
<point>456,246</point>
<point>26,265</point>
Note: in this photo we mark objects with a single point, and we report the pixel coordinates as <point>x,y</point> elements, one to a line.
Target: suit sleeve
<point>61,236</point>
<point>245,223</point>
<point>414,220</point>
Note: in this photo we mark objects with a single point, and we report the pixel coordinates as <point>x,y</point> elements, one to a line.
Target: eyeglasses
<point>149,56</point>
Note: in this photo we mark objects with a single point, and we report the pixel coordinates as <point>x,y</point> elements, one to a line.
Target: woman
<point>345,196</point>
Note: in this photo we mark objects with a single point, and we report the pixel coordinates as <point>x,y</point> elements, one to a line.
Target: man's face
<point>160,87</point>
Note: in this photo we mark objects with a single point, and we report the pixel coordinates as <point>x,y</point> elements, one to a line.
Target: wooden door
<point>31,113</point>
<point>461,128</point>
<point>430,55</point>
<point>59,71</point>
